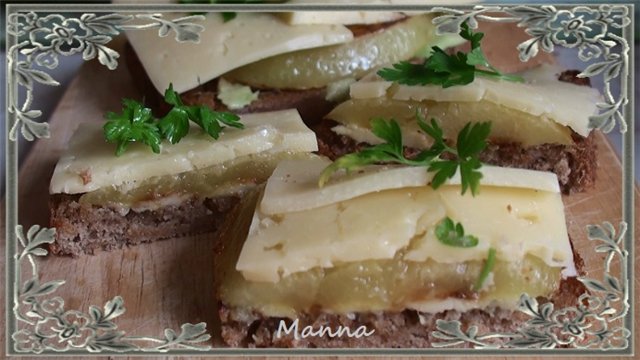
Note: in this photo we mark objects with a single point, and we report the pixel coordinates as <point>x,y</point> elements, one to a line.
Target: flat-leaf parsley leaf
<point>452,234</point>
<point>137,123</point>
<point>447,69</point>
<point>175,125</point>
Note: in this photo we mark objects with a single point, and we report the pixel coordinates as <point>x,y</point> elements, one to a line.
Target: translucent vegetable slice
<point>318,67</point>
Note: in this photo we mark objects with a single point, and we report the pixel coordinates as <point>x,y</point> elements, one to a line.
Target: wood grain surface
<point>168,283</point>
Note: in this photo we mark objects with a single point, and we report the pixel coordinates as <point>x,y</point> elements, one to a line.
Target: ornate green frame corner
<point>38,322</point>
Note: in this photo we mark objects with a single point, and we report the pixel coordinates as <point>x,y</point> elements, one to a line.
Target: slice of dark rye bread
<point>575,164</point>
<point>84,228</point>
<point>247,327</point>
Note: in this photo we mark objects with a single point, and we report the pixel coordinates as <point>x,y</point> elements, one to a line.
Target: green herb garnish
<point>175,125</point>
<point>486,269</point>
<point>137,123</point>
<point>445,69</point>
<point>452,234</point>
<point>471,141</point>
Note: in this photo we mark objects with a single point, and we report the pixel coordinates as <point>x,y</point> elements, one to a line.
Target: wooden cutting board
<point>168,283</point>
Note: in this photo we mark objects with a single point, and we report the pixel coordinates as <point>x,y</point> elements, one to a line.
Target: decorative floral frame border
<point>49,328</point>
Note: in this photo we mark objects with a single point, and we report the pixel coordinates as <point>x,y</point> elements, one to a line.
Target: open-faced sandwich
<point>539,116</point>
<point>374,258</point>
<point>256,62</point>
<point>103,198</point>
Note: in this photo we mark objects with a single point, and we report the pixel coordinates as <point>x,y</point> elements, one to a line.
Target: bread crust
<point>84,228</point>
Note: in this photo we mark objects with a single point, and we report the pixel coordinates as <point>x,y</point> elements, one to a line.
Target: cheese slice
<point>541,95</point>
<point>224,46</point>
<point>512,213</point>
<point>294,184</point>
<point>90,163</point>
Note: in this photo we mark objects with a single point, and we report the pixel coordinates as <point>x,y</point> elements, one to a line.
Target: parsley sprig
<point>445,69</point>
<point>175,125</point>
<point>136,123</point>
<point>472,140</point>
<point>452,234</point>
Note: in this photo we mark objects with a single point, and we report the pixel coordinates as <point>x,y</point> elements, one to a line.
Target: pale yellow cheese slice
<point>512,213</point>
<point>90,163</point>
<point>294,184</point>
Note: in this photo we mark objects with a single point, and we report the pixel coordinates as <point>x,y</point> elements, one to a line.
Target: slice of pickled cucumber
<point>506,124</point>
<point>318,67</point>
